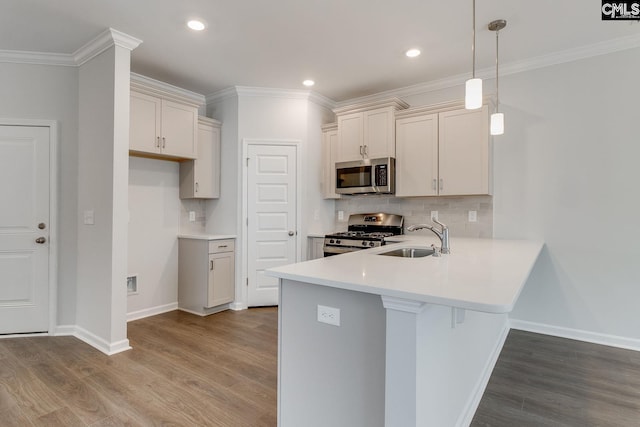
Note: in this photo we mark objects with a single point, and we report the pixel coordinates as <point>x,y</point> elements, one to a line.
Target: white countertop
<point>206,236</point>
<point>480,274</point>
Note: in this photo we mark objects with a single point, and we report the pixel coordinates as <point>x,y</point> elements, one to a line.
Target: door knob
<point>42,226</point>
<point>291,233</point>
<point>41,240</point>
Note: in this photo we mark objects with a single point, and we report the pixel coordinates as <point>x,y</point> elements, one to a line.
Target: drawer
<point>216,246</point>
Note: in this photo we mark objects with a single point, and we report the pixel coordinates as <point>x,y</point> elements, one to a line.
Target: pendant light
<point>473,86</point>
<point>497,118</point>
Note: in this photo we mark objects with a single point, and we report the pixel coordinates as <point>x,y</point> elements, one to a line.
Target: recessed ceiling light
<point>308,83</point>
<point>196,25</point>
<point>412,53</point>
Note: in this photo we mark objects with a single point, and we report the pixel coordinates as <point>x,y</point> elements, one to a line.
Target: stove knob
<point>364,243</point>
<point>337,242</point>
<point>332,241</point>
<point>371,244</point>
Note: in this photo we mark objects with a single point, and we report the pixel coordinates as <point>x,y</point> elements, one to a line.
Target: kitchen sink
<point>409,252</point>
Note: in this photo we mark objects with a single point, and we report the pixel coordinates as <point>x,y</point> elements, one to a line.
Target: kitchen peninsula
<point>373,340</point>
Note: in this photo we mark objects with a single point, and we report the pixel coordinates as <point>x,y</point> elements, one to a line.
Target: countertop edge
<point>206,236</point>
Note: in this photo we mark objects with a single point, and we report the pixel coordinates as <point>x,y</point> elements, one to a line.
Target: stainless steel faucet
<point>443,233</point>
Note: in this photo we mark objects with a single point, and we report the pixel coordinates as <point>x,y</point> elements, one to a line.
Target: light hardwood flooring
<point>184,370</point>
<point>221,370</point>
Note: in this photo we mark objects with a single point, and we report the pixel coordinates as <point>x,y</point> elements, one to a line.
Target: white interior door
<point>271,213</point>
<point>24,229</point>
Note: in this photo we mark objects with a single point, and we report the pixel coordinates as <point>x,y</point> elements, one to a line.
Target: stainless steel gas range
<point>364,231</point>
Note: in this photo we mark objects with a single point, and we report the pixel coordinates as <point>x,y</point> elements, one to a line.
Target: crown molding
<point>570,55</point>
<point>164,90</point>
<point>329,126</point>
<point>37,58</point>
<point>237,91</point>
<point>102,42</point>
<point>369,104</point>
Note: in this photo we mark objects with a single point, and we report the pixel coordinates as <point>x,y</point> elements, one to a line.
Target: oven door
<point>337,250</point>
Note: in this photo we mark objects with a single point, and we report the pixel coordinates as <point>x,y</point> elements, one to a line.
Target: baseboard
<point>237,306</point>
<point>576,334</point>
<point>206,311</point>
<point>472,405</point>
<point>64,330</point>
<point>147,312</point>
<point>93,340</point>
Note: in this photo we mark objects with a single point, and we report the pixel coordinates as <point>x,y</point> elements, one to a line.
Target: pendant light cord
<point>497,63</point>
<point>473,45</point>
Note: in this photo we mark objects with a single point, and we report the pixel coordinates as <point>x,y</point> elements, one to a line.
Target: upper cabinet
<point>329,154</point>
<point>162,124</point>
<point>200,178</point>
<point>367,131</point>
<point>442,152</point>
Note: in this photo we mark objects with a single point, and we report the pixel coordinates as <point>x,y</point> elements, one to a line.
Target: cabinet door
<point>144,126</point>
<point>464,152</point>
<point>379,133</point>
<point>179,128</point>
<point>350,137</point>
<point>417,156</point>
<point>329,153</point>
<point>221,285</point>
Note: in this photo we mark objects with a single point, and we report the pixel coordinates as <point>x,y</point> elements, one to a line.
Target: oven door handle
<point>337,250</point>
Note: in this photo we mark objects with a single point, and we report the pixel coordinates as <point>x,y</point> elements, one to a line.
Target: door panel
<point>272,222</point>
<point>24,264</point>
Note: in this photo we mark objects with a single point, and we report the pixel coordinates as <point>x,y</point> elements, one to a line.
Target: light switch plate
<point>89,217</point>
<point>192,216</point>
<point>434,215</point>
<point>473,216</point>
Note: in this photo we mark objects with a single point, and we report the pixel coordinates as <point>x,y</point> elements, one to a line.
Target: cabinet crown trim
<point>396,103</point>
<point>329,126</point>
<point>203,120</point>
<point>152,87</point>
<point>437,108</point>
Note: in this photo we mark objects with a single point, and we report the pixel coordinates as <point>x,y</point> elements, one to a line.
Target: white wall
<point>566,172</point>
<point>154,223</point>
<point>51,93</point>
<point>103,132</point>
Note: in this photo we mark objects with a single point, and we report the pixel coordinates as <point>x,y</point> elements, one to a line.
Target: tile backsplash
<point>200,208</point>
<point>453,211</point>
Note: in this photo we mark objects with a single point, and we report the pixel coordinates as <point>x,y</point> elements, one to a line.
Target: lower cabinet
<point>206,275</point>
<point>315,248</point>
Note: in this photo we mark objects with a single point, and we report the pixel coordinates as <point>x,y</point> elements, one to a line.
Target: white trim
<point>35,334</point>
<point>53,208</point>
<point>473,402</point>
<point>37,58</point>
<point>401,304</point>
<point>102,42</point>
<point>236,91</point>
<point>576,334</point>
<point>64,331</point>
<point>99,343</point>
<point>237,306</point>
<point>154,87</point>
<point>147,312</point>
<point>244,302</point>
<point>220,95</point>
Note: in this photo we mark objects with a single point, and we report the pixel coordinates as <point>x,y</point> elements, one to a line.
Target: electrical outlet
<point>89,218</point>
<point>473,216</point>
<point>340,215</point>
<point>434,215</point>
<point>192,216</point>
<point>329,315</point>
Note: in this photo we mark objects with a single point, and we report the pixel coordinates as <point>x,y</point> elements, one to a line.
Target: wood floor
<point>184,370</point>
<point>547,381</point>
<point>221,370</point>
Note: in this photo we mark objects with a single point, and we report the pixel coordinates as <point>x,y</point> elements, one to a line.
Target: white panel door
<point>271,202</point>
<point>24,229</point>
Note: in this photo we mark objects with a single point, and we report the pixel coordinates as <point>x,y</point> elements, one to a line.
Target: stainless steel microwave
<point>366,176</point>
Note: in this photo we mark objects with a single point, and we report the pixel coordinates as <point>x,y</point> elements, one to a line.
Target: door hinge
<point>247,221</point>
<point>247,161</point>
<point>247,281</point>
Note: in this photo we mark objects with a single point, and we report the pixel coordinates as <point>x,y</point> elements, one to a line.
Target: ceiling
<point>351,48</point>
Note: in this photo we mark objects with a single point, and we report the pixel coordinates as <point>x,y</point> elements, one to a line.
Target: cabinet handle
<point>157,141</point>
<point>366,150</point>
<point>164,142</point>
<point>361,151</point>
<point>197,186</point>
<point>222,246</point>
<point>434,184</point>
<point>441,183</point>
<point>211,265</point>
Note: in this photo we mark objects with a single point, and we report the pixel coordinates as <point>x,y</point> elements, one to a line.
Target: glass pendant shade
<point>497,124</point>
<point>473,94</point>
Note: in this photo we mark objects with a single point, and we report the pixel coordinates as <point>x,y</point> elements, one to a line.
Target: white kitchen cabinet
<point>442,152</point>
<point>206,274</point>
<point>329,154</point>
<point>200,178</point>
<point>367,131</point>
<point>417,156</point>
<point>162,127</point>
<point>315,247</point>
